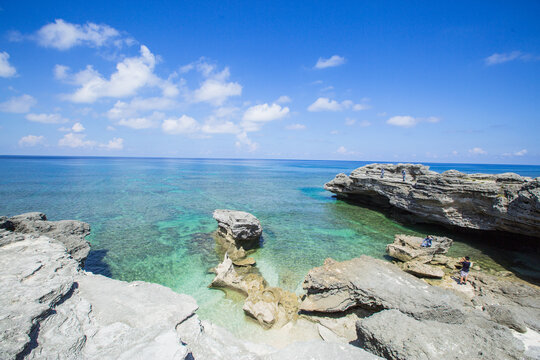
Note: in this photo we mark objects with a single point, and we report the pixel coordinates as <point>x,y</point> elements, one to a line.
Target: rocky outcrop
<point>395,335</point>
<point>51,309</point>
<point>504,202</point>
<point>407,318</point>
<point>70,233</point>
<point>238,226</point>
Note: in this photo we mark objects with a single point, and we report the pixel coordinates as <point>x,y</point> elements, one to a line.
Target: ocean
<point>151,218</point>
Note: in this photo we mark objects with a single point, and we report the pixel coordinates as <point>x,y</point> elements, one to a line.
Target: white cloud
<point>477,151</point>
<point>326,104</point>
<point>215,89</point>
<point>256,115</point>
<point>131,75</point>
<point>60,72</point>
<point>31,140</point>
<point>296,127</point>
<point>511,56</point>
<point>123,109</point>
<point>62,35</point>
<point>110,128</point>
<point>114,144</point>
<point>77,127</point>
<point>182,125</point>
<point>334,132</point>
<point>403,121</point>
<point>75,141</point>
<point>138,123</point>
<point>18,104</point>
<point>46,118</point>
<point>214,126</point>
<point>335,60</point>
<point>433,119</point>
<point>283,99</point>
<point>6,69</point>
<point>342,150</point>
<point>520,152</point>
<point>244,141</point>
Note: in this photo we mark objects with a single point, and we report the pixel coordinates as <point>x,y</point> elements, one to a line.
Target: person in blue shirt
<point>403,173</point>
<point>465,267</point>
<point>427,241</point>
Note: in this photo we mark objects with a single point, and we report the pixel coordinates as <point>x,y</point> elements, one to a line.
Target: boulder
<point>375,285</point>
<point>272,306</point>
<point>407,248</point>
<point>423,270</point>
<point>394,335</point>
<point>504,202</point>
<point>228,277</point>
<point>238,226</point>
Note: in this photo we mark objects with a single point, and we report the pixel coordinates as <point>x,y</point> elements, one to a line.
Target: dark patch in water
<point>94,263</point>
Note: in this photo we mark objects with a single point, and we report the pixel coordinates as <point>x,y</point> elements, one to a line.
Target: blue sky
<point>389,81</point>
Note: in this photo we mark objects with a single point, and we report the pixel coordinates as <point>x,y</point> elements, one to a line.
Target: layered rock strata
<point>51,309</point>
<point>406,318</point>
<point>270,306</point>
<point>504,202</point>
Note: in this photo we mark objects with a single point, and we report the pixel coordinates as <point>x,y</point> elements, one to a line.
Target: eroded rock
<point>237,226</point>
<point>407,248</point>
<point>506,202</point>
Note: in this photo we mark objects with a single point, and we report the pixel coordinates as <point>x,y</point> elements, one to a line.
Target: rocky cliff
<point>504,202</point>
<point>51,309</point>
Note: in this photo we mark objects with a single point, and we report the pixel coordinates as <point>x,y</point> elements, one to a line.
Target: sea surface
<point>151,218</point>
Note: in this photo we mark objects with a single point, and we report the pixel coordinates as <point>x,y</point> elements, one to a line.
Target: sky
<point>415,81</point>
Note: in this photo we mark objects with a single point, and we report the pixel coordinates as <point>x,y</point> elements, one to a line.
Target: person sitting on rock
<point>404,174</point>
<point>466,265</point>
<point>427,241</point>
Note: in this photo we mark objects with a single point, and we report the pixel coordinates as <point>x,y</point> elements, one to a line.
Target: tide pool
<point>152,219</point>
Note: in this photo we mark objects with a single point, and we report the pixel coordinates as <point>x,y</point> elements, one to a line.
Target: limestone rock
<point>228,277</point>
<point>237,226</point>
<point>245,262</point>
<point>272,306</point>
<point>505,315</point>
<point>71,233</point>
<point>394,335</point>
<point>506,202</point>
<point>407,248</point>
<point>423,270</point>
<point>375,285</point>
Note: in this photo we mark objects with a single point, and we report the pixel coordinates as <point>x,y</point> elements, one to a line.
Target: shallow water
<point>152,218</point>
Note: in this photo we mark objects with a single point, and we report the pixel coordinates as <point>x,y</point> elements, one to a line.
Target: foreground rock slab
<point>506,202</point>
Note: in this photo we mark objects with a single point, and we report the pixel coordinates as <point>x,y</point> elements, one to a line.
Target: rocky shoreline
<point>362,308</point>
<point>481,202</point>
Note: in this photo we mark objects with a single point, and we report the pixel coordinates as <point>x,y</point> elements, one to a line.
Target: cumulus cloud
<point>217,126</point>
<point>477,151</point>
<point>123,109</point>
<point>216,89</point>
<point>343,151</point>
<point>364,123</point>
<point>31,140</point>
<point>131,75</point>
<point>18,104</point>
<point>63,35</point>
<point>139,123</point>
<point>243,141</point>
<point>511,56</point>
<point>402,121</point>
<point>181,125</point>
<point>284,99</point>
<point>73,140</point>
<point>522,152</point>
<point>409,121</point>
<point>326,104</point>
<point>296,127</point>
<point>256,115</point>
<point>6,69</point>
<point>333,61</point>
<point>114,144</point>
<point>77,127</point>
<point>46,118</point>
<point>350,122</point>
<point>61,72</point>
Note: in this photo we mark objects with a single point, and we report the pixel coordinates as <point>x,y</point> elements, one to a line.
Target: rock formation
<point>406,318</point>
<point>270,306</point>
<point>51,309</point>
<point>408,249</point>
<point>504,202</point>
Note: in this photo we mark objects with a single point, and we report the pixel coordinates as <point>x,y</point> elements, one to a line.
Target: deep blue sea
<point>152,219</point>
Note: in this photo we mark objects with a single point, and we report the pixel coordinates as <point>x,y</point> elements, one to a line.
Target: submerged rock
<point>506,202</point>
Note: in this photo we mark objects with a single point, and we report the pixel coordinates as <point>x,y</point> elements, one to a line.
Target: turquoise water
<point>152,218</point>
